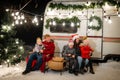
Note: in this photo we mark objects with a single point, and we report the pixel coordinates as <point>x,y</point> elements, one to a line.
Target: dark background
<point>27,32</point>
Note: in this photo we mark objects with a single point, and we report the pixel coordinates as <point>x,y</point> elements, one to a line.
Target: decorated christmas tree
<point>11,48</point>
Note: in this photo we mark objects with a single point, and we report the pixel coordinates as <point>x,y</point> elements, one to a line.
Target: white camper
<point>62,22</point>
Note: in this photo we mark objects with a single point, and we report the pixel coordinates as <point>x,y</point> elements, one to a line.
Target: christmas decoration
<point>74,21</point>
<point>11,48</point>
<point>98,19</point>
<point>98,4</point>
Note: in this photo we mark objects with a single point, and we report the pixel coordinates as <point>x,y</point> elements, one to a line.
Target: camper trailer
<point>100,25</point>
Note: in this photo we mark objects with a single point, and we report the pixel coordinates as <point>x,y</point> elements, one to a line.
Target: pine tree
<point>11,48</point>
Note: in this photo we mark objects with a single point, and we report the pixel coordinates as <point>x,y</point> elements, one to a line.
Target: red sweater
<point>85,51</point>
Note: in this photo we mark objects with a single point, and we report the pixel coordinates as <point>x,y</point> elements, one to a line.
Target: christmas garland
<point>100,24</point>
<point>74,19</point>
<point>98,4</point>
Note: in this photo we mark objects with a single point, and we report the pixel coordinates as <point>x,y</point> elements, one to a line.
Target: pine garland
<point>74,19</point>
<point>98,4</point>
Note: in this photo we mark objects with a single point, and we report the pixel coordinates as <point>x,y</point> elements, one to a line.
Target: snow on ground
<point>103,71</point>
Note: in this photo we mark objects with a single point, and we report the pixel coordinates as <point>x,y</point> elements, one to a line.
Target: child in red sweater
<point>86,53</point>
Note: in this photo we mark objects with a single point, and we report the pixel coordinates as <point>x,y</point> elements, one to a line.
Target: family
<point>76,54</point>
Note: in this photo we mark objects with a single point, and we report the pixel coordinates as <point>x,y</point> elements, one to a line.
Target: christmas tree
<point>11,48</point>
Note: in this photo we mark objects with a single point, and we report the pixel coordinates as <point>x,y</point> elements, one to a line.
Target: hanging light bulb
<point>54,23</point>
<point>72,24</point>
<point>109,20</point>
<point>93,14</point>
<point>104,13</point>
<point>41,18</point>
<point>63,23</point>
<point>105,17</point>
<point>50,23</point>
<point>88,3</point>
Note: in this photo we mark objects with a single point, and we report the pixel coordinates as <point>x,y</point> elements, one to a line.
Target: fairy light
<point>6,50</point>
<point>16,41</point>
<point>13,14</point>
<point>13,24</point>
<point>8,60</point>
<point>15,56</point>
<point>16,22</point>
<point>21,22</point>
<point>21,47</point>
<point>17,13</point>
<point>18,17</point>
<point>25,21</point>
<point>93,14</point>
<point>7,10</point>
<point>1,36</point>
<point>22,17</point>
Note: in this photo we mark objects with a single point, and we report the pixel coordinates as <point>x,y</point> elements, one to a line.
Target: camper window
<point>59,28</point>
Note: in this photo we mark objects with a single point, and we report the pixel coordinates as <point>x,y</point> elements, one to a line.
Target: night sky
<point>27,32</point>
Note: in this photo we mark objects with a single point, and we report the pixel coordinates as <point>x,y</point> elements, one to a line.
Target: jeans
<point>32,57</point>
<point>80,61</point>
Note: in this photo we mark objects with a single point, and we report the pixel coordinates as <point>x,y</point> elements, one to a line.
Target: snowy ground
<point>105,71</point>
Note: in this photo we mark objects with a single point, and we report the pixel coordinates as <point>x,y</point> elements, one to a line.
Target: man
<point>47,54</point>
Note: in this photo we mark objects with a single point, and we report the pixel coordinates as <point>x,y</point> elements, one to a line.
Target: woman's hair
<point>46,35</point>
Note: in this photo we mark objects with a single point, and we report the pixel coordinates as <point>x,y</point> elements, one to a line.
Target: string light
<point>104,13</point>
<point>41,18</point>
<point>13,24</point>
<point>7,10</point>
<point>17,13</point>
<point>105,17</point>
<point>13,14</point>
<point>50,23</point>
<point>25,21</point>
<point>54,23</point>
<point>88,3</point>
<point>21,47</point>
<point>1,36</point>
<point>93,14</point>
<point>78,23</point>
<point>63,23</point>
<point>17,22</point>
<point>8,60</point>
<point>72,24</point>
<point>109,20</point>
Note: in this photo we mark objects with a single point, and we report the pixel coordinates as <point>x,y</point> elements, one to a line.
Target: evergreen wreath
<point>100,23</point>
